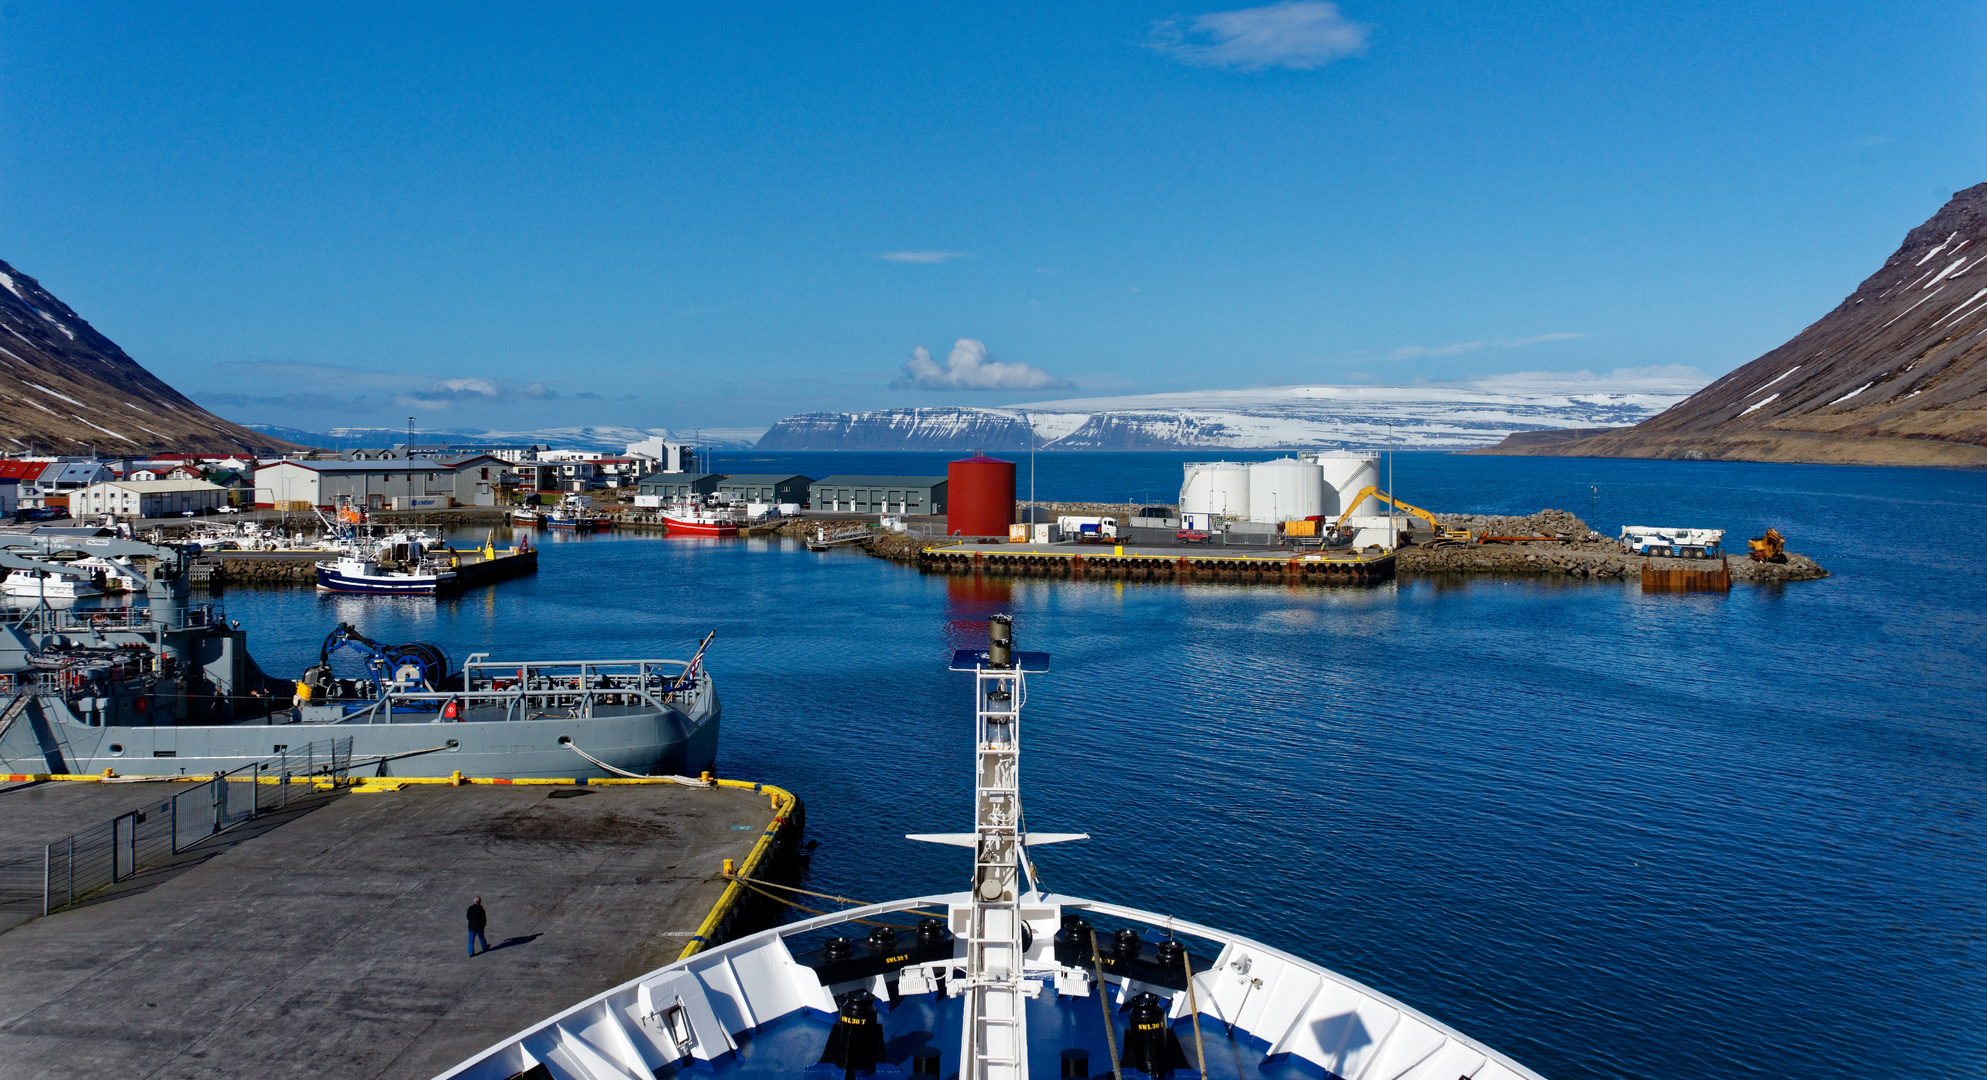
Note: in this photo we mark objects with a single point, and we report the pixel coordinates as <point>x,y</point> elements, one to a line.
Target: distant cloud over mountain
<point>923,256</point>
<point>1300,34</point>
<point>971,367</point>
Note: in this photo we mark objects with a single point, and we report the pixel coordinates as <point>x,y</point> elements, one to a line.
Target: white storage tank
<point>1285,490</point>
<point>1346,472</point>
<point>1216,489</point>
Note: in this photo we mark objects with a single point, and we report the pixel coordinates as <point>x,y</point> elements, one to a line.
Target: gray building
<point>672,486</point>
<point>375,484</point>
<point>879,494</point>
<point>765,488</point>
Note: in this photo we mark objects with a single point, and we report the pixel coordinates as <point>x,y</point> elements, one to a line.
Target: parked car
<point>40,513</point>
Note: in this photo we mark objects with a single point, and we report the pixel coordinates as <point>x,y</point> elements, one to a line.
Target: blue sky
<point>665,215</point>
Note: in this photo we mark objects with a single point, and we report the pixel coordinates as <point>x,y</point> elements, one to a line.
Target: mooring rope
<point>1110,1029</point>
<point>1193,1002</point>
<point>754,883</point>
<point>689,780</point>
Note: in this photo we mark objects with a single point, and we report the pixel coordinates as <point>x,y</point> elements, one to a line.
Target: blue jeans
<point>476,936</point>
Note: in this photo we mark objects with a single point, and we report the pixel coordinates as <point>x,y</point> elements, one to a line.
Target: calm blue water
<point>1609,834</point>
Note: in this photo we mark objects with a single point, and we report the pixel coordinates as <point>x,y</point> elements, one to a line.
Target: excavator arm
<point>1442,532</point>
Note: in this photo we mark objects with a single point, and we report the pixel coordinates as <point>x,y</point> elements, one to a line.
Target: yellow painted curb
<point>783,804</point>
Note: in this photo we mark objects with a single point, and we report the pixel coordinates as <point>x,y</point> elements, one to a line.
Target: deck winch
<point>855,1043</point>
<point>883,952</point>
<point>1151,1047</point>
<point>416,665</point>
<point>1129,955</point>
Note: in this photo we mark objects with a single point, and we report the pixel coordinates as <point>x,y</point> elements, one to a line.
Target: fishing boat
<point>366,574</point>
<point>404,562</point>
<point>996,982</point>
<point>576,512</point>
<point>701,518</point>
<point>168,688</point>
<point>527,515</point>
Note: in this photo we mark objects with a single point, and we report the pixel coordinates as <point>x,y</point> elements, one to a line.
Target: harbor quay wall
<point>335,936</point>
<point>1581,556</point>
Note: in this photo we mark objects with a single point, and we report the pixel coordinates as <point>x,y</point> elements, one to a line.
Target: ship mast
<point>994,1039</point>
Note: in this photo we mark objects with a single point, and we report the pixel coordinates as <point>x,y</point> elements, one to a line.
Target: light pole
<point>1393,531</point>
<point>1033,439</point>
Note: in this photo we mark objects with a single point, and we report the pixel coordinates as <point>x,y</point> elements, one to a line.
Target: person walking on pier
<point>478,919</point>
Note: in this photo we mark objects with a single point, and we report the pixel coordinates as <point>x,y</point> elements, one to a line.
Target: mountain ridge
<point>74,389</point>
<point>1896,374</point>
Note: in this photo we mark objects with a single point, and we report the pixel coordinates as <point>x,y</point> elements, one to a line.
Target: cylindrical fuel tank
<point>979,496</point>
<point>1347,472</point>
<point>1216,488</point>
<point>1285,490</point>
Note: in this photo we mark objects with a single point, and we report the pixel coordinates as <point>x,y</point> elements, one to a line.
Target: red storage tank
<point>979,496</point>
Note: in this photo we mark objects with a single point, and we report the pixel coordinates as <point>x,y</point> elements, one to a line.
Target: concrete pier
<point>333,942</point>
<point>1161,562</point>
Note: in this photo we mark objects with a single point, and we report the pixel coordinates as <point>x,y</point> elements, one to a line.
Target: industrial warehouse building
<point>765,488</point>
<point>879,494</point>
<point>147,498</point>
<point>671,487</point>
<point>375,485</point>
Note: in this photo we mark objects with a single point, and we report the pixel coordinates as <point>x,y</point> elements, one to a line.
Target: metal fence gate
<point>73,868</point>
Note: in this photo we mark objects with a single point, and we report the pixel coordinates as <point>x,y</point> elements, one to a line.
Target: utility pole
<point>410,463</point>
<point>1033,439</point>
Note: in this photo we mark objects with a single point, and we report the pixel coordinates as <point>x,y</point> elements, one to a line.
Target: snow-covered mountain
<point>558,438</point>
<point>1423,417</point>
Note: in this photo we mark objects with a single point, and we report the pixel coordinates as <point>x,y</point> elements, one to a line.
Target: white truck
<point>1089,530</point>
<point>1656,540</point>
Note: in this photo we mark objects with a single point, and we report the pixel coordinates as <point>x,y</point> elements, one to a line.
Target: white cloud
<point>449,392</point>
<point>1412,352</point>
<point>972,367</point>
<point>923,256</point>
<point>1300,34</point>
<point>1677,379</point>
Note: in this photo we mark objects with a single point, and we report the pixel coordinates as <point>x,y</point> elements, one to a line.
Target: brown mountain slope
<point>64,388</point>
<point>1895,375</point>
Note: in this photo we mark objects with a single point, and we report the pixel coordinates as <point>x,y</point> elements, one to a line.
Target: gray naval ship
<point>169,688</point>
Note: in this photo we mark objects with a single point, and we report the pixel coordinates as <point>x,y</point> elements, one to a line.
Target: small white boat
<point>528,514</point>
<point>48,584</point>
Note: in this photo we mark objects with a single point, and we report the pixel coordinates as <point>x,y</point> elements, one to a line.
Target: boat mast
<point>994,1037</point>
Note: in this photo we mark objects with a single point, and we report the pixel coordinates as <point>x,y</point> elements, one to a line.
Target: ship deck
<point>333,941</point>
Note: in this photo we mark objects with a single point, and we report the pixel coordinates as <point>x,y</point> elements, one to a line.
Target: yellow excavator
<point>1443,534</point>
<point>1769,548</point>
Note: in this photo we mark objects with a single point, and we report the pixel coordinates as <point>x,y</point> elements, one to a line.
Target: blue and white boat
<point>365,574</point>
<point>997,982</point>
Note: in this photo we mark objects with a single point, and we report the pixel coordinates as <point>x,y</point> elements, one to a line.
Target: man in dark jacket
<point>478,919</point>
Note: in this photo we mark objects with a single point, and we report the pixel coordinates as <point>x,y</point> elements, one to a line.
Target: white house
<point>146,498</point>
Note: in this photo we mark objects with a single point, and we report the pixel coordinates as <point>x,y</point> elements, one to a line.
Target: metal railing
<point>74,868</point>
<point>530,691</point>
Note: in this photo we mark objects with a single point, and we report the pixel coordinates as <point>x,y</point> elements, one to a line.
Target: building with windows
<point>765,488</point>
<point>878,494</point>
<point>670,487</point>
